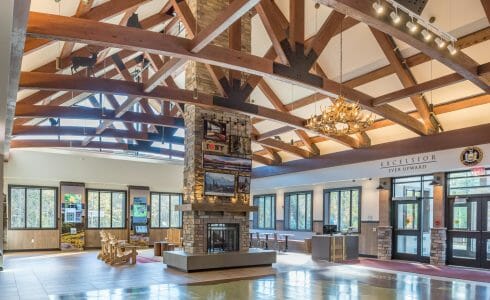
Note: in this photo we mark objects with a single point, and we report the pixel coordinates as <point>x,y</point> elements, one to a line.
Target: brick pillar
<point>438,232</point>
<point>438,246</point>
<point>197,75</point>
<point>385,231</point>
<point>385,242</point>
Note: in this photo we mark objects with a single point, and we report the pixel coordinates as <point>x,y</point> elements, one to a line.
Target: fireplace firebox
<point>223,237</point>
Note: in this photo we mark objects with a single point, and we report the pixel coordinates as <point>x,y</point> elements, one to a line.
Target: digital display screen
<point>140,210</point>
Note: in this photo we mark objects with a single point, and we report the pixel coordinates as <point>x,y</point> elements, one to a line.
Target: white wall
<point>95,170</point>
<point>369,197</point>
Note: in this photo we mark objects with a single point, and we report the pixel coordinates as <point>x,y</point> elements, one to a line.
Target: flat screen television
<point>329,229</point>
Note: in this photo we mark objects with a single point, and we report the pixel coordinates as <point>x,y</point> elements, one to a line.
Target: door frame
<point>481,235</point>
<point>408,232</point>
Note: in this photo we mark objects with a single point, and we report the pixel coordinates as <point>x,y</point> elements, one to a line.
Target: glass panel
<point>344,210</point>
<point>406,244</point>
<point>105,209</point>
<point>33,208</point>
<point>155,210</point>
<point>427,220</point>
<point>408,189</point>
<point>334,208</point>
<point>464,215</point>
<point>164,210</point>
<point>301,211</point>
<point>355,211</point>
<point>488,215</point>
<point>118,210</point>
<point>407,216</point>
<point>93,209</point>
<point>488,250</point>
<point>464,247</point>
<point>308,212</point>
<point>267,212</point>
<point>175,215</point>
<point>293,208</point>
<point>17,208</point>
<point>48,209</point>
<point>261,221</point>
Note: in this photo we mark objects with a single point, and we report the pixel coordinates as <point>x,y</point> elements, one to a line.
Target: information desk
<point>335,248</point>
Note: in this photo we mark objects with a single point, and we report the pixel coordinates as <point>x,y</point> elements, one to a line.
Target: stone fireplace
<point>216,224</point>
<point>223,237</point>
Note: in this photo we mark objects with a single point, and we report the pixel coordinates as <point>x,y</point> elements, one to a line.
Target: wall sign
<point>471,156</point>
<point>408,163</point>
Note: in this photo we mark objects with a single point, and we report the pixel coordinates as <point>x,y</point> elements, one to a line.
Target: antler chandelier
<point>341,117</point>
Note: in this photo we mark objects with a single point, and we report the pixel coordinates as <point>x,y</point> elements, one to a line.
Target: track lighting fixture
<point>378,7</point>
<point>395,17</point>
<point>426,34</point>
<point>412,26</point>
<point>453,50</point>
<point>440,43</point>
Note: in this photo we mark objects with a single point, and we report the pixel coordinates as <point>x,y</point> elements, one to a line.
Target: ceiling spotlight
<point>426,34</point>
<point>440,42</point>
<point>412,26</point>
<point>378,7</point>
<point>395,17</point>
<point>453,50</point>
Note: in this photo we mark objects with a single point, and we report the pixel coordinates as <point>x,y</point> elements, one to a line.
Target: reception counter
<point>335,248</point>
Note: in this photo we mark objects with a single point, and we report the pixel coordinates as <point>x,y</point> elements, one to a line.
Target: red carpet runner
<point>426,269</point>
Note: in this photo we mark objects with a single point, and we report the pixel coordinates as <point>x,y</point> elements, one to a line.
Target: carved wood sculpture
<point>88,62</point>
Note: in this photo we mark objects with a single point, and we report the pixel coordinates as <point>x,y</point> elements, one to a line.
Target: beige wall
<point>27,167</point>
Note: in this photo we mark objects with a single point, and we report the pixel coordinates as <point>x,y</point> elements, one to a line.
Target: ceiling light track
<point>442,38</point>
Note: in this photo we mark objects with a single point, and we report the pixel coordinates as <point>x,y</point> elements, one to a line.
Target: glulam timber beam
<point>94,145</point>
<point>326,33</point>
<point>23,130</point>
<point>70,112</point>
<point>486,7</point>
<point>263,160</point>
<point>104,11</point>
<point>282,146</point>
<point>443,108</point>
<point>468,136</point>
<point>43,25</point>
<point>363,11</point>
<point>390,49</point>
<point>273,28</point>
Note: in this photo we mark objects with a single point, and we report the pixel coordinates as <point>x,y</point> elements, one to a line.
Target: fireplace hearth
<point>223,237</point>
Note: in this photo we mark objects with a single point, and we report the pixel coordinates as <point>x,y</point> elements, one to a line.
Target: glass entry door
<point>469,232</point>
<point>407,241</point>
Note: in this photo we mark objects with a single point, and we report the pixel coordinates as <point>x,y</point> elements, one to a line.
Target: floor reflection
<point>338,282</point>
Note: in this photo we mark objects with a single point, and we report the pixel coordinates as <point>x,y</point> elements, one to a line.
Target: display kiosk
<point>139,233</point>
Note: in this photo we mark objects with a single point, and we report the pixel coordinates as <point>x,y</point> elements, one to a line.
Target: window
<point>468,183</point>
<point>298,209</point>
<point>342,208</point>
<point>106,209</point>
<point>32,207</point>
<point>163,212</point>
<point>265,217</point>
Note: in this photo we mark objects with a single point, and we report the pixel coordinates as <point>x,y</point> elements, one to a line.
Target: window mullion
<point>40,208</point>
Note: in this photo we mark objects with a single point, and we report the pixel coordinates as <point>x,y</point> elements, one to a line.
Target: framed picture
<point>222,162</point>
<point>243,185</point>
<point>219,184</point>
<point>239,145</point>
<point>215,131</point>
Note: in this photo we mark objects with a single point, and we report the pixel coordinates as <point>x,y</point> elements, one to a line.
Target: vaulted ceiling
<point>412,88</point>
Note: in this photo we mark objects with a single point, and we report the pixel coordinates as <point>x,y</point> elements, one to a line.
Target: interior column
<point>2,211</point>
<point>385,230</point>
<point>438,230</point>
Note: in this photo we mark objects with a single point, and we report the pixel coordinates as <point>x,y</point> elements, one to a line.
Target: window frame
<point>170,210</point>
<point>26,187</point>
<point>328,191</point>
<point>255,219</point>
<point>448,178</point>
<point>125,215</point>
<point>286,216</point>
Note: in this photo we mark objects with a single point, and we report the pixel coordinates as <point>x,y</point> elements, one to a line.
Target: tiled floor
<point>295,276</point>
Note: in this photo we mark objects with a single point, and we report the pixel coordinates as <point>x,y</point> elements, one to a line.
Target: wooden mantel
<point>216,207</point>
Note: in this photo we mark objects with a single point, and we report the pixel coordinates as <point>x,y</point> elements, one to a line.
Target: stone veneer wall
<point>438,246</point>
<point>384,242</point>
<point>197,75</point>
